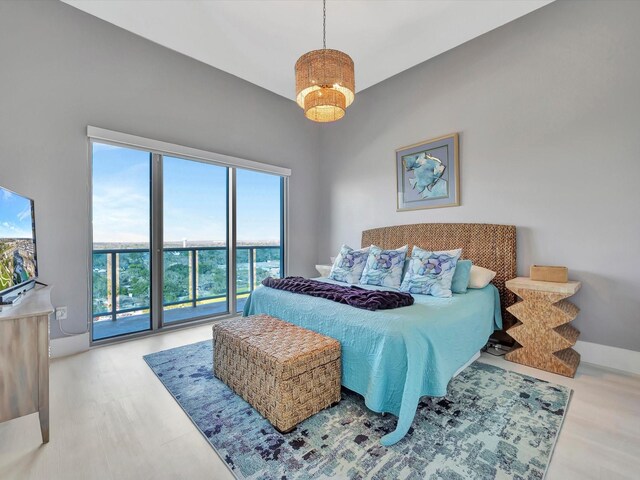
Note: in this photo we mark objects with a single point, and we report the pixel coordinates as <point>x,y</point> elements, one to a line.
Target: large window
<point>168,229</point>
<point>121,241</point>
<point>258,230</point>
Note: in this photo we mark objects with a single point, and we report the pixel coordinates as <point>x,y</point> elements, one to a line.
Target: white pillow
<point>480,277</point>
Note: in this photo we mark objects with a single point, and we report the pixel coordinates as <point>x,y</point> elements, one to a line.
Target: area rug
<point>493,423</point>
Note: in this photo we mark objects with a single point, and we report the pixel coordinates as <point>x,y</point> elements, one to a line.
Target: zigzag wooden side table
<point>543,333</point>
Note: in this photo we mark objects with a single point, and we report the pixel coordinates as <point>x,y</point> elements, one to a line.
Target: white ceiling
<point>260,40</point>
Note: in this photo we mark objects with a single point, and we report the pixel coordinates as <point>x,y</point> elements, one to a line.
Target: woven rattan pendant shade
<point>324,105</point>
<point>325,81</point>
<point>325,84</point>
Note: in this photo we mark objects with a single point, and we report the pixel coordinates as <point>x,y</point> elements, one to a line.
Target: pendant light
<point>325,80</point>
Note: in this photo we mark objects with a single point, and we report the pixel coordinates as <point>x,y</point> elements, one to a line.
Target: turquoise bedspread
<point>393,357</point>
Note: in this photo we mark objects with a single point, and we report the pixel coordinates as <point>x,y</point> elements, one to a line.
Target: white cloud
<point>26,213</point>
<point>97,147</point>
<point>120,214</point>
<point>10,230</point>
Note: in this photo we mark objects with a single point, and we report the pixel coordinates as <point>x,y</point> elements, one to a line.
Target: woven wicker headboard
<point>486,245</point>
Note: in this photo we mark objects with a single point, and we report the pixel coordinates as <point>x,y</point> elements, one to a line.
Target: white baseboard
<point>610,357</point>
<point>61,347</point>
<point>603,355</point>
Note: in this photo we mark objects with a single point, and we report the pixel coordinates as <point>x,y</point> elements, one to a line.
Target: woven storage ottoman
<point>286,372</point>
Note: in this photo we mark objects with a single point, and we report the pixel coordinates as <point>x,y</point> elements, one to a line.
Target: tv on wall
<point>18,264</point>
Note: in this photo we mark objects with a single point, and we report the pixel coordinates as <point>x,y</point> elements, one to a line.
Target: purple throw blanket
<point>349,295</point>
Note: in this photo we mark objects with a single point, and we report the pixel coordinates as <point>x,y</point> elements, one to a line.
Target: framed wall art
<point>427,174</point>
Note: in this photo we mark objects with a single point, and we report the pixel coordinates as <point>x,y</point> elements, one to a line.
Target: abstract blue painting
<point>427,174</point>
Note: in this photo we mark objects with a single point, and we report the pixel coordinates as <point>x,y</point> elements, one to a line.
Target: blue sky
<point>15,216</point>
<point>195,199</point>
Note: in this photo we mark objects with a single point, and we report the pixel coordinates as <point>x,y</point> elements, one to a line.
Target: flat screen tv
<point>18,264</point>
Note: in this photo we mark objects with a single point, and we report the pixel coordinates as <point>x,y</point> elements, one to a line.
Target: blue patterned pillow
<point>384,267</point>
<point>431,273</point>
<point>349,264</point>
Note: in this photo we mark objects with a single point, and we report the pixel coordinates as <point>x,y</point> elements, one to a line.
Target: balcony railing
<point>193,276</point>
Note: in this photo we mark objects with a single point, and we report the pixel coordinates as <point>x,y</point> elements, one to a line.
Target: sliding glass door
<point>259,230</point>
<point>195,239</point>
<point>161,238</point>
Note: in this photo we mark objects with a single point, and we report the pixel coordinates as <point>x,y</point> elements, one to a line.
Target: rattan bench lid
<point>282,347</point>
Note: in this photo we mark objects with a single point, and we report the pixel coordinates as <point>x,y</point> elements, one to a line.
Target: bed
<point>394,357</point>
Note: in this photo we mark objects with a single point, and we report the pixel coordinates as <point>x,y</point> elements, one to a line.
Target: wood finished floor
<point>112,419</point>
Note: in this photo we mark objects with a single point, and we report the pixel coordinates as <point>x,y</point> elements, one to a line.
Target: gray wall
<point>548,108</point>
<point>61,70</point>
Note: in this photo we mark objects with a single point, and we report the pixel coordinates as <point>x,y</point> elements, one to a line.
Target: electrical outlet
<point>61,313</point>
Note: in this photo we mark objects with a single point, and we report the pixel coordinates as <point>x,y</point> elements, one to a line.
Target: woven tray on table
<point>286,372</point>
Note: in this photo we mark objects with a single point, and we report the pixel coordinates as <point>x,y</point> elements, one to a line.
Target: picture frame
<point>428,174</point>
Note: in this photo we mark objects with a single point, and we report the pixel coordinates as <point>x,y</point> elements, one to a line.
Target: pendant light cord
<point>324,24</point>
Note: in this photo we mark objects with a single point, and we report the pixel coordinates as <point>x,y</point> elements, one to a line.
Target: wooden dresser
<point>24,358</point>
